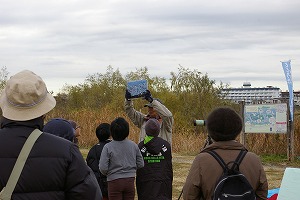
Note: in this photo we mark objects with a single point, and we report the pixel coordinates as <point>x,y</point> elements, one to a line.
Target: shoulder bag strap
<point>18,167</point>
<point>239,159</point>
<point>218,158</point>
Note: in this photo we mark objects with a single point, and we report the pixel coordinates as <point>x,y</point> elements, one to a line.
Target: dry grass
<point>274,175</point>
<point>185,140</point>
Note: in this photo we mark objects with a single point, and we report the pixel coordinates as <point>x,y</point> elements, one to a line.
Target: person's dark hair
<point>119,129</point>
<point>103,132</point>
<point>224,124</point>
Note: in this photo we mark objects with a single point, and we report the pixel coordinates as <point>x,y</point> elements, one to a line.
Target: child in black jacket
<point>93,157</point>
<point>154,180</point>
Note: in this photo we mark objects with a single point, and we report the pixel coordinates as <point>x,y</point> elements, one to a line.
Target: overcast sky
<point>233,41</point>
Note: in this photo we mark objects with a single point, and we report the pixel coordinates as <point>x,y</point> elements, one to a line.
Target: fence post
<point>243,135</point>
<point>290,136</point>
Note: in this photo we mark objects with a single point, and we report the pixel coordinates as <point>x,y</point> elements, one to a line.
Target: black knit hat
<point>224,124</point>
<point>152,127</point>
<point>60,127</point>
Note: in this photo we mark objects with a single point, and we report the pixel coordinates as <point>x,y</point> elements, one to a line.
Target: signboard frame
<point>266,118</point>
<point>289,133</point>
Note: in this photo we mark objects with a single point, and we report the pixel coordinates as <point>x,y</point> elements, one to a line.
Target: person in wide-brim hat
<point>54,168</point>
<point>26,101</point>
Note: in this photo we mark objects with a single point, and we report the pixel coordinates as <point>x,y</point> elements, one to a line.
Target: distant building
<point>286,95</point>
<point>250,95</point>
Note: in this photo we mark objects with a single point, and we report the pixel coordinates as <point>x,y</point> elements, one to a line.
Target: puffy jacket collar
<point>34,123</point>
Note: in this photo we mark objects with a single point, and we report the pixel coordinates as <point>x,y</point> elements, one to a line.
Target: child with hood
<point>154,180</point>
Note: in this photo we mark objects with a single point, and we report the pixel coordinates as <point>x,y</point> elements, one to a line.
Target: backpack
<point>232,185</point>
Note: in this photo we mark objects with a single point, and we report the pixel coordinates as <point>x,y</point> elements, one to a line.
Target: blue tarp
<point>273,191</point>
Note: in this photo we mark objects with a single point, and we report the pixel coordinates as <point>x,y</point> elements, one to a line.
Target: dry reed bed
<point>186,140</point>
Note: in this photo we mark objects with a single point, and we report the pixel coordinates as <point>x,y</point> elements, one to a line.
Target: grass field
<point>182,164</point>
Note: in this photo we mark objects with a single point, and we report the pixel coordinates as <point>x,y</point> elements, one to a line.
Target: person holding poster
<point>156,110</point>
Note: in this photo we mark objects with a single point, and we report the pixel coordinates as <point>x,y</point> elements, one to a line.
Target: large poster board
<point>137,88</point>
<point>265,118</point>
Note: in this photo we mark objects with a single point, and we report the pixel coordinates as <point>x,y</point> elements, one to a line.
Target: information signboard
<point>265,118</point>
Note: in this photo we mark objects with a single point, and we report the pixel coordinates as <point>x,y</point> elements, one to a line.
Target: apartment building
<point>251,95</point>
<point>286,95</point>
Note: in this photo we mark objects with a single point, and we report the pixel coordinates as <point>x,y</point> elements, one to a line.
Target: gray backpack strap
<point>7,191</point>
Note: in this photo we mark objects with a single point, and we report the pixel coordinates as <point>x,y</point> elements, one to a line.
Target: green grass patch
<point>280,160</point>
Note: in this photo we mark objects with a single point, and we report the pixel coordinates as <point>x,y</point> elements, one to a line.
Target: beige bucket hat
<point>25,97</point>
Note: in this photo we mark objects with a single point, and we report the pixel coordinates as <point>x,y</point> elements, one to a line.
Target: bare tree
<point>3,77</point>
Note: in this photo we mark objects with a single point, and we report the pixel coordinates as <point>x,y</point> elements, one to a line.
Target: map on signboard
<point>265,118</point>
<point>137,88</point>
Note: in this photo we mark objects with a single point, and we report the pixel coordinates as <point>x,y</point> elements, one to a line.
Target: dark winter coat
<point>92,161</point>
<point>55,168</point>
<point>154,180</point>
